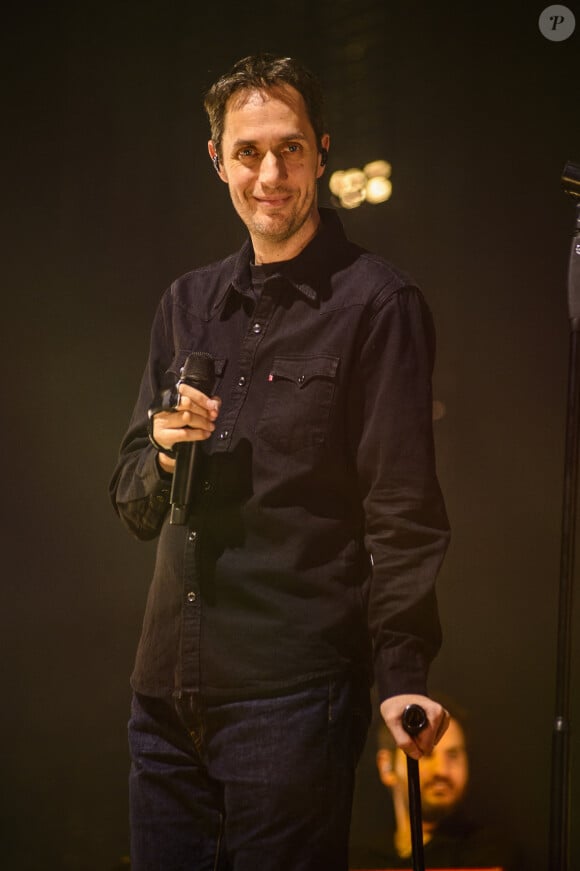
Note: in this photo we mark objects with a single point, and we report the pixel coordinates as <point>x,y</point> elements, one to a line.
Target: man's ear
<point>385,767</point>
<point>216,161</point>
<point>323,150</point>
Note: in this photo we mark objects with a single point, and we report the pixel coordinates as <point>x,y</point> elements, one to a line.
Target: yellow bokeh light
<point>379,189</point>
<point>353,186</point>
<point>377,168</point>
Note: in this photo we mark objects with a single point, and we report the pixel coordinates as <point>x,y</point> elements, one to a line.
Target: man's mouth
<point>439,786</point>
<point>274,200</point>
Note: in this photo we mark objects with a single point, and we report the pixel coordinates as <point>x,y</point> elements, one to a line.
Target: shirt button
<point>241,381</point>
<point>257,329</point>
<point>206,486</point>
<point>224,434</point>
<point>301,379</point>
<point>191,597</point>
<point>192,535</point>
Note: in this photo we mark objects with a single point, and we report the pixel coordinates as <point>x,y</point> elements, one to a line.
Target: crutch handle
<point>414,720</point>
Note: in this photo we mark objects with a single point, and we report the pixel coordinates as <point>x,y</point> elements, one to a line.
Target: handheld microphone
<point>198,371</point>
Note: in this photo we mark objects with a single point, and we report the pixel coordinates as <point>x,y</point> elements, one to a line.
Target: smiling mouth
<point>273,201</point>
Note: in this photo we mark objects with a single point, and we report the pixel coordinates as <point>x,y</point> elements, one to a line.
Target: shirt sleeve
<point>406,527</point>
<point>139,488</point>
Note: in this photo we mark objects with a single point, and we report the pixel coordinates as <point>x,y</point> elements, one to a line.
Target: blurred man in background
<point>451,837</point>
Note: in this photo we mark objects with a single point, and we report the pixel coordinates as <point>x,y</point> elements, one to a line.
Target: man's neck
<point>270,251</point>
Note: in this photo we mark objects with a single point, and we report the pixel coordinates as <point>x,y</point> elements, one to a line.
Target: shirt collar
<point>308,272</point>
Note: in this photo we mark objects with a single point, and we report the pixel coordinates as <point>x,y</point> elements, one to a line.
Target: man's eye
<point>294,148</point>
<point>246,153</point>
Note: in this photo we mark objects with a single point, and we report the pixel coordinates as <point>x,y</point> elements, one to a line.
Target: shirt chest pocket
<point>299,397</point>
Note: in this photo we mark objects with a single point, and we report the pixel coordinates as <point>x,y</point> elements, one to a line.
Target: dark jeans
<point>252,785</point>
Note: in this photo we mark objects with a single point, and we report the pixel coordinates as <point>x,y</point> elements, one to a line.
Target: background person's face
<point>443,774</point>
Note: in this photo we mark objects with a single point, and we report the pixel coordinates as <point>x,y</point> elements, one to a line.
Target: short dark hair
<point>264,72</point>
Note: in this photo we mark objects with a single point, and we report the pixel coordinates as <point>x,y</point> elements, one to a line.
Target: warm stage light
<point>352,199</point>
<point>377,168</point>
<point>379,190</point>
<point>351,187</point>
<point>335,182</point>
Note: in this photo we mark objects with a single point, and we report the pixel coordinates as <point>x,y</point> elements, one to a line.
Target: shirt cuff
<point>400,671</point>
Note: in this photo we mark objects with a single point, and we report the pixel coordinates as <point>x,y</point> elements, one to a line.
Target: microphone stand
<point>560,785</point>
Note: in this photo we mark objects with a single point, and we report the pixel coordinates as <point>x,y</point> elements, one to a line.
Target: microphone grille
<point>199,371</point>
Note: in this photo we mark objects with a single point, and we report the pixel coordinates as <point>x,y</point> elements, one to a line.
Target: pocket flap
<point>301,370</point>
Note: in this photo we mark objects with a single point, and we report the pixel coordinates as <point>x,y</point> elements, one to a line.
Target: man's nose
<point>433,763</point>
<point>439,766</point>
<point>272,169</point>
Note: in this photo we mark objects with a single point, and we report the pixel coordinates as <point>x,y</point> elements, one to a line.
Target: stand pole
<point>414,720</point>
<point>560,785</point>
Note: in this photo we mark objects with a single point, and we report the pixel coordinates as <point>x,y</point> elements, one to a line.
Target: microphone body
<point>198,371</point>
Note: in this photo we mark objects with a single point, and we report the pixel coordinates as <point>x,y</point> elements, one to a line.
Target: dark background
<point>109,195</point>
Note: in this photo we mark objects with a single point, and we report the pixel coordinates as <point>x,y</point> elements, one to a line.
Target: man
<point>314,499</point>
<point>451,837</point>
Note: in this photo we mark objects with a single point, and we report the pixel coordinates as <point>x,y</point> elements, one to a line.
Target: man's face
<point>443,774</point>
<point>270,161</point>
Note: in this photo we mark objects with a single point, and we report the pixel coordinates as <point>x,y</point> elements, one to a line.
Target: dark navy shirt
<point>317,525</point>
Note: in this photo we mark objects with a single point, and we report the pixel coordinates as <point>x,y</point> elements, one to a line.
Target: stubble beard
<point>275,231</point>
<point>276,227</point>
<point>281,226</point>
<point>434,812</point>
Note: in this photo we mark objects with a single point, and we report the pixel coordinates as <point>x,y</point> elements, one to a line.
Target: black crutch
<point>414,720</point>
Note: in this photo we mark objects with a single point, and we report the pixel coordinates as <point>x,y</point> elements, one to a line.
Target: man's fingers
<point>429,737</point>
<point>410,747</point>
<point>443,726</point>
<point>190,398</point>
<point>180,426</point>
<point>393,709</point>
